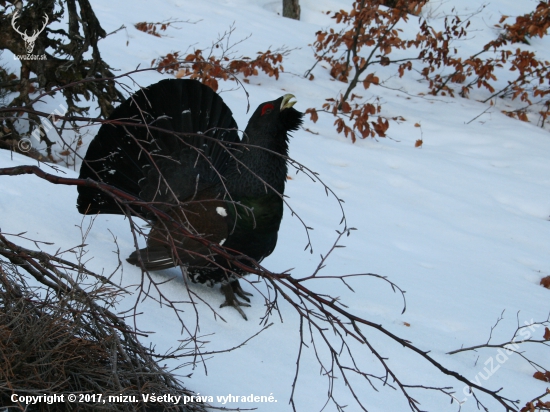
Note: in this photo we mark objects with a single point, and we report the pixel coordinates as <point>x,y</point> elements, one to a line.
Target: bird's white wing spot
<point>222,242</point>
<point>221,211</point>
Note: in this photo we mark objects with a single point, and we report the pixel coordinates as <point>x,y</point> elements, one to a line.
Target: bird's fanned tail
<point>129,157</point>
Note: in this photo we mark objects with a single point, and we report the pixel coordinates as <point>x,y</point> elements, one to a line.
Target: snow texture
<point>461,224</point>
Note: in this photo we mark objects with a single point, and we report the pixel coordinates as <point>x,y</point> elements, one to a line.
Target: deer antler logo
<point>29,40</point>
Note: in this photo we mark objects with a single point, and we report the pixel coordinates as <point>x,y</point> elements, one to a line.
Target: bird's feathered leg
<point>228,289</point>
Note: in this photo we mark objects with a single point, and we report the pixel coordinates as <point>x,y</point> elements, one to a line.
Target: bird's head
<point>272,121</point>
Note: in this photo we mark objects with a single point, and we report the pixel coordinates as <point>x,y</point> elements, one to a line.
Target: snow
<point>461,224</point>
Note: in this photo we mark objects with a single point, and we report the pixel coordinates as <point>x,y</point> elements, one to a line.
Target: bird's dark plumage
<point>191,160</point>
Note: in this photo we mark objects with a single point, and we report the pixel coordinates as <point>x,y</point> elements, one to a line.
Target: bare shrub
<point>61,337</point>
<point>221,62</point>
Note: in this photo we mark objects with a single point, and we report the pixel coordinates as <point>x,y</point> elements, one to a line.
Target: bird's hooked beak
<point>286,103</point>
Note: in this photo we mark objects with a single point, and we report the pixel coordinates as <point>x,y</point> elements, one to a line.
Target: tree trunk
<point>291,9</point>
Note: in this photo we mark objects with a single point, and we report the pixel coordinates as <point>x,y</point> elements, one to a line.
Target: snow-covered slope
<point>461,224</point>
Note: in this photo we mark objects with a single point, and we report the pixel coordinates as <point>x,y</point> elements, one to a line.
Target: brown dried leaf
<point>419,143</point>
<point>546,334</point>
<point>313,113</point>
<point>523,117</point>
<point>542,376</point>
<point>545,282</point>
<point>346,108</point>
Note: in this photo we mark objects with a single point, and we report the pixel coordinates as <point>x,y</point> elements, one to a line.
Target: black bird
<point>192,163</point>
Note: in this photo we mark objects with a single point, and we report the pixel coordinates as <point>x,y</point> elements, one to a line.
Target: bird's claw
<point>228,289</point>
<point>235,285</point>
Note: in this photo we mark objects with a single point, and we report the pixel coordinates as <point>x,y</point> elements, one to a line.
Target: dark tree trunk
<point>291,9</point>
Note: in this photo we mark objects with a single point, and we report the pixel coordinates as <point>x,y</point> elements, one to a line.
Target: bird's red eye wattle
<point>268,107</point>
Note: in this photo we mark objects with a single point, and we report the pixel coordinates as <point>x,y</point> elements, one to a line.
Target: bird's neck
<point>261,171</point>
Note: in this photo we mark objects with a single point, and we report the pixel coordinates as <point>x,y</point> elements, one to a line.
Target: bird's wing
<point>168,246</point>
